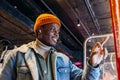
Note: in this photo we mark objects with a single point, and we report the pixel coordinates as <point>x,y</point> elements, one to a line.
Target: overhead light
<point>78,25</point>
<point>15,7</point>
<point>78,22</point>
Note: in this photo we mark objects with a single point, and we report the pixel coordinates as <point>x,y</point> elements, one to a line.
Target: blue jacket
<point>20,64</point>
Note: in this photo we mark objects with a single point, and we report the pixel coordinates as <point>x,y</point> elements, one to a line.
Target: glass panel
<point>108,71</point>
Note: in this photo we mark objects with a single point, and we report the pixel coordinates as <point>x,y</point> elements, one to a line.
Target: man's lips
<point>54,39</point>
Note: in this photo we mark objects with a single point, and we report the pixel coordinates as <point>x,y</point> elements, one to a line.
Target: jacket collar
<point>29,50</point>
<point>31,60</point>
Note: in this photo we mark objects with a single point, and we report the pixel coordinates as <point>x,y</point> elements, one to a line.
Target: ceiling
<point>17,20</point>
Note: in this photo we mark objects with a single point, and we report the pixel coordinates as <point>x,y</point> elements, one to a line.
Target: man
<point>38,60</point>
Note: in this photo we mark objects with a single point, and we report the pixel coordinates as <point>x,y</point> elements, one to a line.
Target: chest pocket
<point>63,73</point>
<point>23,73</point>
<point>63,69</point>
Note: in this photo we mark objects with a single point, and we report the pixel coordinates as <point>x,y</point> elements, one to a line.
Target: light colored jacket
<point>20,64</point>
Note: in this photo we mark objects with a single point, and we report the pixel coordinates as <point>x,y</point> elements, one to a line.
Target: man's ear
<point>39,31</point>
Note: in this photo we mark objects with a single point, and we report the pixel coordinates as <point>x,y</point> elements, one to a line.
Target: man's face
<point>49,34</point>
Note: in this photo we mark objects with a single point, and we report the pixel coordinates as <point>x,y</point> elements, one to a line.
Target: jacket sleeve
<point>90,73</point>
<point>8,68</point>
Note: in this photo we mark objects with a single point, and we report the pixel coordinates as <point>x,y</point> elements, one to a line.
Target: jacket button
<point>45,71</point>
<point>65,70</point>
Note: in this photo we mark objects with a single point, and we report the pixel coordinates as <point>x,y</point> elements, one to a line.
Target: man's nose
<point>56,34</point>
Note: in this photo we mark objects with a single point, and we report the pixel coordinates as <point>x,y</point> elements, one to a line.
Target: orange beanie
<point>45,19</point>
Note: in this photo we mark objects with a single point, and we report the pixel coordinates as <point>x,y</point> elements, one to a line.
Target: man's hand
<point>98,53</point>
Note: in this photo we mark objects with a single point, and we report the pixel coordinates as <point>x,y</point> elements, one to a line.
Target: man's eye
<point>52,30</point>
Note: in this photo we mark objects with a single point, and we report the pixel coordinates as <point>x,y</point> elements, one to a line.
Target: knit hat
<point>45,19</point>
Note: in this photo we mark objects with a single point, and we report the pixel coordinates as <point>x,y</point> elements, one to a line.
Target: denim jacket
<point>20,64</point>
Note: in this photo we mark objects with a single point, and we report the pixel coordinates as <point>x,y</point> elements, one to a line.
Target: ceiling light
<point>15,7</point>
<point>78,22</point>
<point>78,25</point>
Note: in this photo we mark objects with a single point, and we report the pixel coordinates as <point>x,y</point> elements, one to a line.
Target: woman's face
<point>49,34</point>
